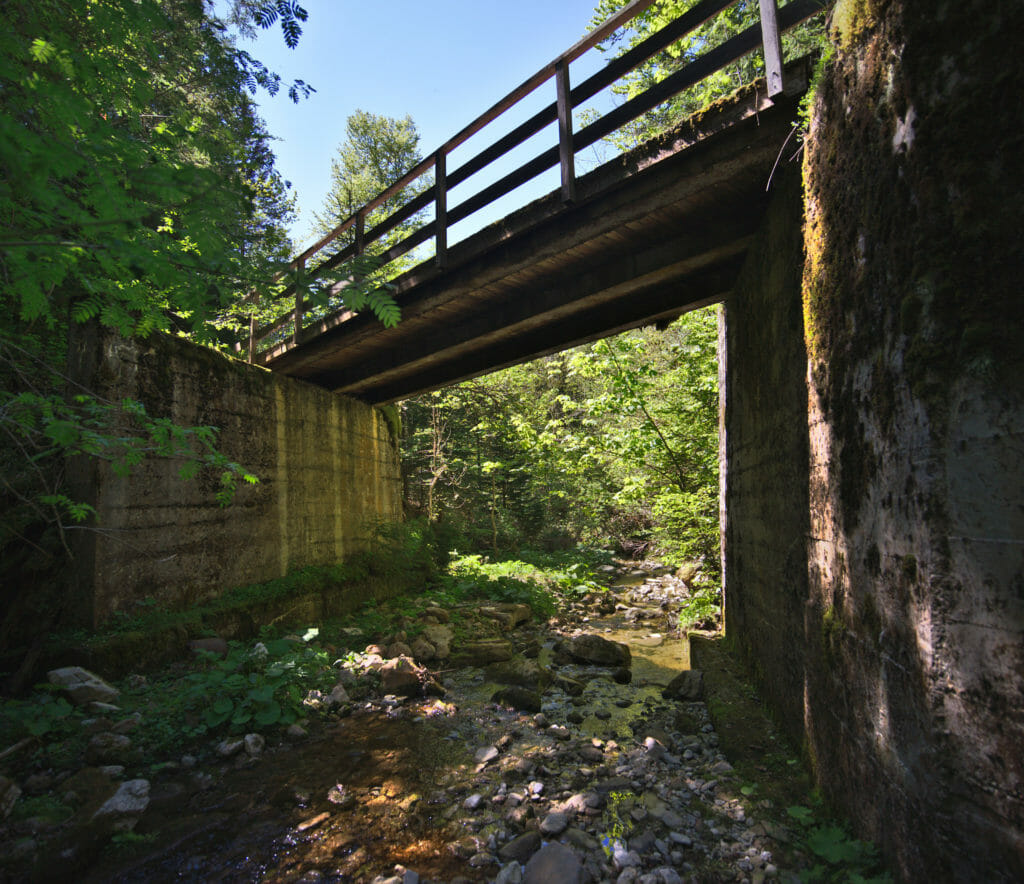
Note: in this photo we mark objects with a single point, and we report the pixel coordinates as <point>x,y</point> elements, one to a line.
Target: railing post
<point>440,211</point>
<point>566,155</point>
<point>772,47</point>
<point>300,272</point>
<point>360,232</point>
<point>252,337</point>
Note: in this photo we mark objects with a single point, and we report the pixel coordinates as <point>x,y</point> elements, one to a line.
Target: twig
<point>17,747</point>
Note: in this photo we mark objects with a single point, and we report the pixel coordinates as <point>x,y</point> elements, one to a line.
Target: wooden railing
<point>766,35</point>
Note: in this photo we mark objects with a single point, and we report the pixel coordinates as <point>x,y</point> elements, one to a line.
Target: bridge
<point>645,237</point>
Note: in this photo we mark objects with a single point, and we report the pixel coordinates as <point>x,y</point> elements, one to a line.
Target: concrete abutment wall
<point>873,543</point>
<point>328,470</point>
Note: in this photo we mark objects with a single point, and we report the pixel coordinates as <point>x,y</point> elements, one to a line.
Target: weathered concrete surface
<point>914,326</point>
<point>328,470</point>
<point>897,655</point>
<point>764,443</point>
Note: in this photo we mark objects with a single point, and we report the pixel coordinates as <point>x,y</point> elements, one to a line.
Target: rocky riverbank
<point>474,744</point>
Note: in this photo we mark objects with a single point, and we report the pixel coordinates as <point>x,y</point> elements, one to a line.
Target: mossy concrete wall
<point>328,469</point>
<point>897,657</point>
<point>914,327</point>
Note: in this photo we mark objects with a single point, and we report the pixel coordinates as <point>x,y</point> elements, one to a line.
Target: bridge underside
<point>649,236</point>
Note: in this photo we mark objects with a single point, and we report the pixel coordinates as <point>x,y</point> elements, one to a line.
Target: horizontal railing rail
<point>765,34</point>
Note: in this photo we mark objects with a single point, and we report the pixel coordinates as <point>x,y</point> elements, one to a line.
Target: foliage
<point>701,610</point>
<point>256,688</point>
<point>591,446</point>
<point>618,823</point>
<point>731,21</point>
<point>43,714</point>
<point>842,858</point>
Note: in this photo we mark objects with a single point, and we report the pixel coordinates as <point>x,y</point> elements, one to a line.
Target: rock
<point>341,797</point>
<point>582,840</point>
<point>553,863</point>
<point>440,636</point>
<point>126,725</point>
<point>402,677</point>
<point>622,675</point>
<point>296,732</point>
<point>571,686</point>
<point>399,649</point>
<point>82,686</point>
<point>600,651</point>
<point>486,754</point>
<point>439,614</point>
<point>254,745</point>
<point>228,748</point>
<point>422,650</point>
<point>554,824</point>
<point>482,652</point>
<point>122,811</point>
<point>518,698</point>
<point>473,801</point>
<point>510,874</point>
<point>722,767</point>
<point>210,646</point>
<point>338,696</point>
<point>520,671</point>
<point>517,613</point>
<point>688,685</point>
<point>559,732</point>
<point>107,748</point>
<point>520,849</point>
<point>9,794</point>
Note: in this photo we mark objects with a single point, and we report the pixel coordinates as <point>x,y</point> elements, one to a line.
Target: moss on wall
<point>913,321</point>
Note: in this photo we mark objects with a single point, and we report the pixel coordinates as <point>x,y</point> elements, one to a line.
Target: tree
<point>133,171</point>
<point>615,442</point>
<point>377,151</point>
<point>729,22</point>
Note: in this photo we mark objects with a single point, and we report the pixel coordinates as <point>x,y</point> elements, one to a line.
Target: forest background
<point>139,191</point>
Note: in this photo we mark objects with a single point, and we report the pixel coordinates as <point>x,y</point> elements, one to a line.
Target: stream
<point>459,788</point>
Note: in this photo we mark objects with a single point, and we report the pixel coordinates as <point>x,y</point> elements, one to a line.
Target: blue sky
<point>442,62</point>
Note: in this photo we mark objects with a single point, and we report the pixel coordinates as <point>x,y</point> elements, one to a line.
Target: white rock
<point>227,748</point>
<point>254,745</point>
<point>126,805</point>
<point>82,685</point>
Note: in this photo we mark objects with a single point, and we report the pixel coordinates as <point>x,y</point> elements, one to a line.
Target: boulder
<point>440,636</point>
<point>402,677</point>
<point>439,614</point>
<point>82,685</point>
<point>482,651</point>
<point>688,685</point>
<point>599,651</point>
<point>107,748</point>
<point>122,811</point>
<point>520,849</point>
<point>518,698</point>
<point>399,649</point>
<point>553,862</point>
<point>422,649</point>
<point>520,671</point>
